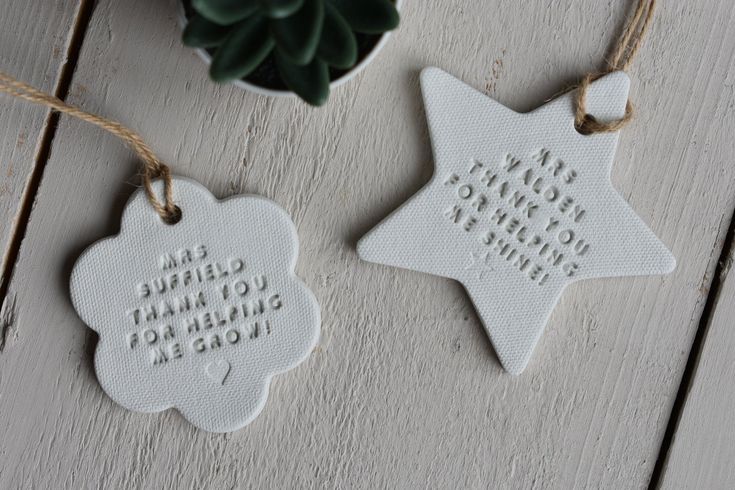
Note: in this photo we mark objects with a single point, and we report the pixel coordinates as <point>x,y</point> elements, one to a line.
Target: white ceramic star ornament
<point>526,193</point>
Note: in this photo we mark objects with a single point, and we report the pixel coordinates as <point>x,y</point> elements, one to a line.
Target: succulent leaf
<point>297,36</point>
<point>203,33</point>
<point>242,51</point>
<point>368,16</point>
<point>294,40</point>
<point>310,82</point>
<point>225,12</point>
<point>278,9</point>
<point>337,45</point>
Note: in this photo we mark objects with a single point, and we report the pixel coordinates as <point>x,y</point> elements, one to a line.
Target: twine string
<point>152,167</point>
<point>621,59</point>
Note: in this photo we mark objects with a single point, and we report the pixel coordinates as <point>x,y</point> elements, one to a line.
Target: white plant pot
<point>204,55</point>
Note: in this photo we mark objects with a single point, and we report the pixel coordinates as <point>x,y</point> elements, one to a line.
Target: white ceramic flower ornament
<point>520,205</point>
<point>199,315</point>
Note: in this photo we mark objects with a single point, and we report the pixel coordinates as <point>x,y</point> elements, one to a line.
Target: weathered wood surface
<point>702,451</point>
<point>404,390</point>
<point>34,37</point>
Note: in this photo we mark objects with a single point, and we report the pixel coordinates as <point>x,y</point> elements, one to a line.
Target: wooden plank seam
<point>724,265</point>
<point>61,90</point>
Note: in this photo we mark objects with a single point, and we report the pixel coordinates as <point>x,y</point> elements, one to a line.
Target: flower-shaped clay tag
<point>198,315</point>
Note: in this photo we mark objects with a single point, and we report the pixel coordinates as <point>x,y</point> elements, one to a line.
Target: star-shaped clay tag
<point>519,206</point>
<point>198,315</point>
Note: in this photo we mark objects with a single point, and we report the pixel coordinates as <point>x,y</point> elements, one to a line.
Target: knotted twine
<point>621,60</point>
<point>152,167</point>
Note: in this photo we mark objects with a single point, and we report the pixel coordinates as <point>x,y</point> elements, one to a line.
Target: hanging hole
<point>585,127</point>
<point>173,217</point>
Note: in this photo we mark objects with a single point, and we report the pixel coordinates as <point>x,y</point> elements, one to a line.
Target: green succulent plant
<point>305,38</point>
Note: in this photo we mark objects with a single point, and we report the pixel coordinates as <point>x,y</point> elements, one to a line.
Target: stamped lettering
<point>176,318</point>
<point>500,203</point>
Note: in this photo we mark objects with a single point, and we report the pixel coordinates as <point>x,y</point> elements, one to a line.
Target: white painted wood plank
<point>703,447</point>
<point>404,390</point>
<point>34,35</point>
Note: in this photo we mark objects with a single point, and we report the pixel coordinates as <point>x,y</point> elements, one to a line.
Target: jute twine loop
<point>152,167</point>
<point>621,59</point>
